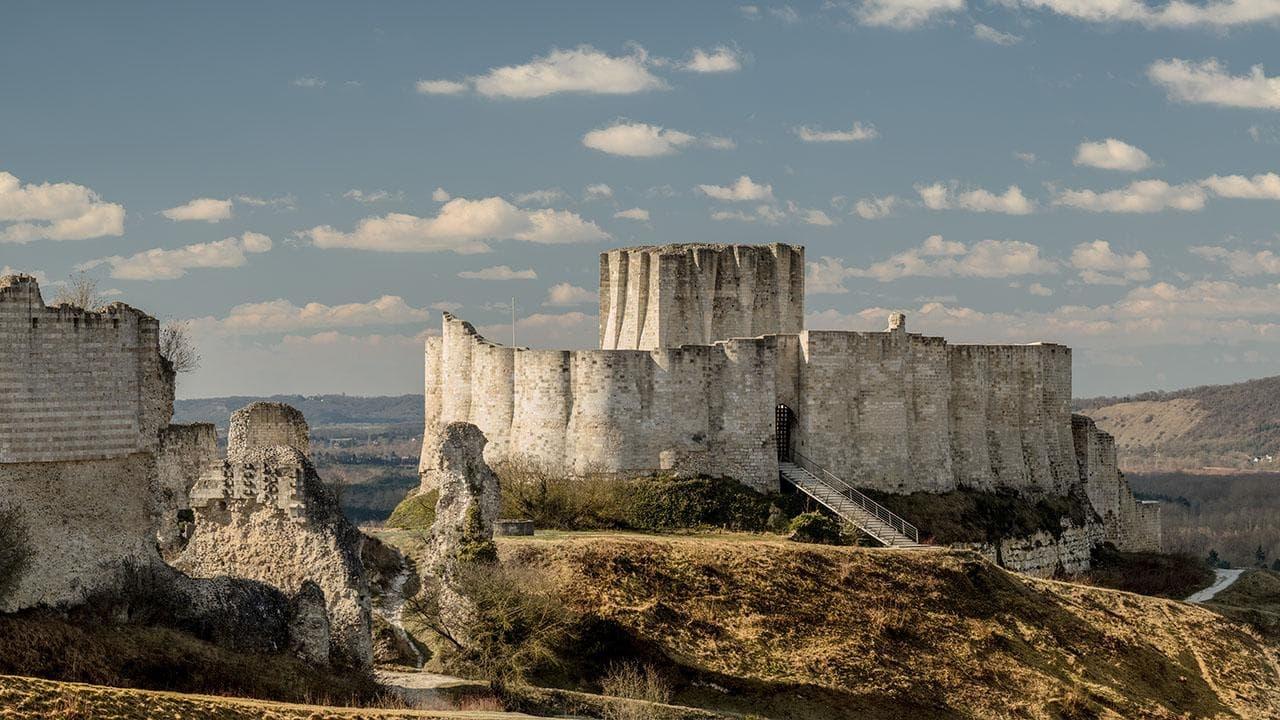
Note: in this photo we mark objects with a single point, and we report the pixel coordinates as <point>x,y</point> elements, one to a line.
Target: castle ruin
<point>704,367</point>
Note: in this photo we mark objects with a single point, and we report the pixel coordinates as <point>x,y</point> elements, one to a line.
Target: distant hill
<point>320,410</point>
<point>1210,426</point>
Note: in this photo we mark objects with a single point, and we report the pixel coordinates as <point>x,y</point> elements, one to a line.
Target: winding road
<point>1221,582</point>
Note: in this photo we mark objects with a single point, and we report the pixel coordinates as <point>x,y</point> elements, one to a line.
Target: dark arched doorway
<point>783,419</point>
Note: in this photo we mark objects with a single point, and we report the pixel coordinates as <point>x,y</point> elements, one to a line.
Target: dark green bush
<point>976,516</point>
<point>666,504</point>
<point>814,527</point>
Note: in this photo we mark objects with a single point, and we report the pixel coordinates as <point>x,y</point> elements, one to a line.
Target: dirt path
<point>1221,582</point>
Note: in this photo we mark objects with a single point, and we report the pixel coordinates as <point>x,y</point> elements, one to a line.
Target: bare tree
<point>177,347</point>
<point>79,291</point>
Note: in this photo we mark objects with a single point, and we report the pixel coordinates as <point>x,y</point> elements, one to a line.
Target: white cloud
<point>281,316</point>
<point>854,134</point>
<point>635,139</point>
<point>903,14</point>
<point>874,208</point>
<point>1258,187</point>
<point>986,33</point>
<point>498,272</point>
<point>763,213</point>
<point>207,210</point>
<point>441,87</point>
<point>556,330</point>
<point>161,264</point>
<point>1039,290</point>
<point>936,257</point>
<point>583,69</point>
<point>372,196</point>
<point>1112,154</point>
<point>1241,262</point>
<point>540,197</point>
<point>597,191</point>
<point>566,295</point>
<point>639,214</point>
<point>1143,196</point>
<point>719,60</point>
<point>441,195</point>
<point>54,211</point>
<point>462,226</point>
<point>815,217</point>
<point>1210,82</point>
<point>750,12</point>
<point>1100,265</point>
<point>285,202</point>
<point>1028,158</point>
<point>946,197</point>
<point>744,189</point>
<point>1178,14</point>
<point>308,82</point>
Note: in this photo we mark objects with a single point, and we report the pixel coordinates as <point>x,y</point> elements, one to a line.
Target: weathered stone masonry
<point>701,342</point>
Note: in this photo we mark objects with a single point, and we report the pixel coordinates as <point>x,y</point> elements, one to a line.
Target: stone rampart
<point>267,424</point>
<point>689,409</point>
<point>77,385</point>
<point>1130,524</point>
<point>665,296</point>
<point>184,454</point>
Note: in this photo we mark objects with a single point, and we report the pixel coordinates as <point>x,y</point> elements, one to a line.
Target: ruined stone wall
<point>671,295</point>
<point>267,424</point>
<point>1130,524</point>
<point>1043,554</point>
<point>185,452</point>
<point>77,385</point>
<point>690,409</point>
<point>907,413</point>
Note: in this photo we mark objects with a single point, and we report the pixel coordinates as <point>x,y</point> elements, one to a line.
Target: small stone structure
<point>264,514</point>
<point>702,351</point>
<point>465,513</point>
<point>513,528</point>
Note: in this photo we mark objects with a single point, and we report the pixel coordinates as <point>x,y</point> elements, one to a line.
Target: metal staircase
<point>848,503</point>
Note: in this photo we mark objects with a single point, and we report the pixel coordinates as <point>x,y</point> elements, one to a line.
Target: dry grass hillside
<point>1210,426</point>
<point>793,631</point>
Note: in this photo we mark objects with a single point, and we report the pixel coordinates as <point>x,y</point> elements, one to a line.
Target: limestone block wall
<point>1044,555</point>
<point>696,294</point>
<point>1130,524</point>
<point>689,409</point>
<point>77,385</point>
<point>184,454</point>
<point>906,413</point>
<point>267,424</point>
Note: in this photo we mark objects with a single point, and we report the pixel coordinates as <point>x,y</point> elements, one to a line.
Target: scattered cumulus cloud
<point>583,70</point>
<point>282,316</point>
<point>372,196</point>
<point>986,33</point>
<point>462,226</point>
<point>854,134</point>
<point>1039,290</point>
<point>1242,263</point>
<point>1142,196</point>
<point>1209,82</point>
<point>54,211</point>
<point>1028,158</point>
<point>1100,265</point>
<point>1259,187</point>
<point>208,210</point>
<point>939,196</point>
<point>441,195</point>
<point>901,14</point>
<point>162,264</point>
<point>308,82</point>
<point>566,295</point>
<point>936,257</point>
<point>1219,14</point>
<point>597,191</point>
<point>498,272</point>
<point>1112,154</point>
<point>874,208</point>
<point>635,213</point>
<point>718,60</point>
<point>744,189</point>
<point>636,139</point>
<point>546,196</point>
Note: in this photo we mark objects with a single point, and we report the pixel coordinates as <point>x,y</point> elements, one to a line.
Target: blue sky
<point>308,184</point>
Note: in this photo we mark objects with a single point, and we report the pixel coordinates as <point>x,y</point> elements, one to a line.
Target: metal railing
<point>849,492</point>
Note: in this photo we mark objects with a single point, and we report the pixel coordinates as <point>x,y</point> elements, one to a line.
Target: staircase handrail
<point>850,492</point>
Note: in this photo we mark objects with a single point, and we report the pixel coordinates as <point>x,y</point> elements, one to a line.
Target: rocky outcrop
<point>265,515</point>
<point>463,531</point>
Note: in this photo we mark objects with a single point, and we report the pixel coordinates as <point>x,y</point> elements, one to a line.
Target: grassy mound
<point>416,512</point>
<point>1255,599</point>
<point>786,630</point>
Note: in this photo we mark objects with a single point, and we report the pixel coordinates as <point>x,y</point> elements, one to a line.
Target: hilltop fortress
<point>704,367</point>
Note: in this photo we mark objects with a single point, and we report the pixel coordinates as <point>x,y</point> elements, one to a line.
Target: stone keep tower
<point>665,296</point>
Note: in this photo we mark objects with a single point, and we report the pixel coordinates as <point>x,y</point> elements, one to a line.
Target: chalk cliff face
<point>665,296</point>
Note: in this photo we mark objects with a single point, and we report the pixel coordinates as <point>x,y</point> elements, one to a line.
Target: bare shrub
<point>80,291</point>
<point>634,681</point>
<point>177,347</point>
<point>519,627</point>
<point>558,500</point>
<point>15,549</point>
